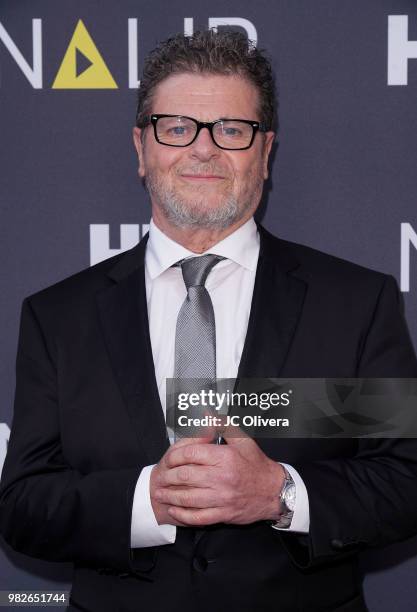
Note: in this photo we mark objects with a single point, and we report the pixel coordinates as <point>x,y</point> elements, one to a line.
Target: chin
<point>215,217</point>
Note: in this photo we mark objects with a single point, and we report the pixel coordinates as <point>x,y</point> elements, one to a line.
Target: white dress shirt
<point>230,285</point>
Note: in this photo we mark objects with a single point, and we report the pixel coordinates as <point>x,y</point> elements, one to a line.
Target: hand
<point>199,483</point>
<point>158,476</point>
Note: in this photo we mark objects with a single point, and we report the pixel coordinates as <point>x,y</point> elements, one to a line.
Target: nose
<point>203,146</point>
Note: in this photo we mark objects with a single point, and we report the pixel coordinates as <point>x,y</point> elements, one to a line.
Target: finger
<point>194,517</point>
<point>234,436</point>
<point>178,523</point>
<point>203,454</point>
<point>189,475</point>
<point>184,442</point>
<point>197,440</point>
<point>188,497</point>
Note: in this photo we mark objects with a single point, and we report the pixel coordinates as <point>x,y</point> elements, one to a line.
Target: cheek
<point>157,166</point>
<point>168,164</point>
<point>249,169</point>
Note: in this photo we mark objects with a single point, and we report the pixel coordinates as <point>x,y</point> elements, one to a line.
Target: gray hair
<point>224,52</point>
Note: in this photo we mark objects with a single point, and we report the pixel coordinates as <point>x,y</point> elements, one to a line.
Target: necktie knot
<point>195,270</point>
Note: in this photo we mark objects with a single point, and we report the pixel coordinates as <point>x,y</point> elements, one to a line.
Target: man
<point>91,477</point>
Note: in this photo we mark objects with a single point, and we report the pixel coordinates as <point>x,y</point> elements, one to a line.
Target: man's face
<point>202,185</point>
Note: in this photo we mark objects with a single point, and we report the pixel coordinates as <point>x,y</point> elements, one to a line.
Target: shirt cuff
<point>145,530</point>
<point>300,521</point>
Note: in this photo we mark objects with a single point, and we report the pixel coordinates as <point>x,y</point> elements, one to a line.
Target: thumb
<point>235,436</point>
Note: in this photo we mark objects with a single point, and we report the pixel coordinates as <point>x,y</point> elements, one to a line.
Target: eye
<point>178,130</point>
<point>231,131</point>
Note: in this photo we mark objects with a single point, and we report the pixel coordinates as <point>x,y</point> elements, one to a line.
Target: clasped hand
<point>198,483</point>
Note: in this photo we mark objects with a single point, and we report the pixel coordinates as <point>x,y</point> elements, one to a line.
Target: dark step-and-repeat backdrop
<point>344,177</point>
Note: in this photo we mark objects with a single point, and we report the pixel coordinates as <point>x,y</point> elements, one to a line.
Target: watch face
<point>289,497</point>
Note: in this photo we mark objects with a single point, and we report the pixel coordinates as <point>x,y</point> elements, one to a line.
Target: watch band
<point>287,502</point>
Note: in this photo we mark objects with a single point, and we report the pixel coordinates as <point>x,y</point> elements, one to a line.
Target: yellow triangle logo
<point>82,66</point>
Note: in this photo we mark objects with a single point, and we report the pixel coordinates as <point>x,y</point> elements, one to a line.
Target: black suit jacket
<point>88,417</point>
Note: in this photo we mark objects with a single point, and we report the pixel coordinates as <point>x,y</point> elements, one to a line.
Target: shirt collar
<point>241,246</point>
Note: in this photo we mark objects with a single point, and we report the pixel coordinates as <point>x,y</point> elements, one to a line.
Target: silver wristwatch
<point>287,500</point>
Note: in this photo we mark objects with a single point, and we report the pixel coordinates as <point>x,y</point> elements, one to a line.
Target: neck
<point>195,239</point>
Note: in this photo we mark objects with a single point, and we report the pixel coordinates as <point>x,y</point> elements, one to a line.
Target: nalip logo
<point>84,66</point>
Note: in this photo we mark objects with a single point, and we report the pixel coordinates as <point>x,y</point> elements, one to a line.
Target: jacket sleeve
<point>49,510</point>
<point>369,499</point>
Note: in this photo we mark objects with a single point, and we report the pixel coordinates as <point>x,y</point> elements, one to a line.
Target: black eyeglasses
<point>181,131</point>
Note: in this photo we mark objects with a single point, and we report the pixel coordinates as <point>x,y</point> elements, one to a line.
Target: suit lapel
<point>124,318</point>
<point>277,302</point>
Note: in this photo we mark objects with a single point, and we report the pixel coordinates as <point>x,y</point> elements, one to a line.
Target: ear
<point>268,142</point>
<point>137,140</point>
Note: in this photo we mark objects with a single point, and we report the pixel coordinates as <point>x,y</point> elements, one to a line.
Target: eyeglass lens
<point>181,131</point>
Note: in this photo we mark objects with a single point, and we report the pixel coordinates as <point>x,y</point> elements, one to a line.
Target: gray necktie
<point>195,337</point>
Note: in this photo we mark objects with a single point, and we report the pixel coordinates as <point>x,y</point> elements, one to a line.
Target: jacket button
<point>200,564</point>
<point>337,544</point>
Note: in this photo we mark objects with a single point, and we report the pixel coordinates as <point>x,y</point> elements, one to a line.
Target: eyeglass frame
<point>256,126</point>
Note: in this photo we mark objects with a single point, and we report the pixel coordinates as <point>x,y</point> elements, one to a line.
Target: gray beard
<point>181,214</point>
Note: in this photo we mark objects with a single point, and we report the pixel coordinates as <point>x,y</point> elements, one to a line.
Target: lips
<point>202,176</point>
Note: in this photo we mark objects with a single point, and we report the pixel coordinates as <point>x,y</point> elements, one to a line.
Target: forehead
<point>206,97</point>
